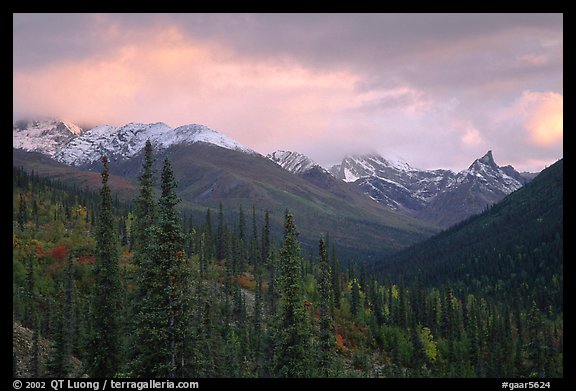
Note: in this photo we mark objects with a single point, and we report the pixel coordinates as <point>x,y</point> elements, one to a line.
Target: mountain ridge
<point>440,196</point>
<point>69,144</point>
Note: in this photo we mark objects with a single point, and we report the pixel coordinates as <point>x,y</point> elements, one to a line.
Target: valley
<point>383,295</point>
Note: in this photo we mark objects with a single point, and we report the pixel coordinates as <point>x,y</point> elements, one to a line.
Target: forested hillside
<point>513,252</point>
<point>140,290</point>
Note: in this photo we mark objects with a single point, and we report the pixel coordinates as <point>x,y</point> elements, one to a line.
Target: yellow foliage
<point>428,344</point>
<point>16,241</point>
<point>395,293</point>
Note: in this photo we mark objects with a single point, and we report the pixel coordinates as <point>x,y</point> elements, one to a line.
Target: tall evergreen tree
<point>292,338</point>
<point>167,301</point>
<point>104,352</point>
<point>257,318</point>
<point>30,295</point>
<point>145,219</point>
<point>220,239</point>
<point>272,293</point>
<point>254,255</point>
<point>171,246</point>
<point>22,212</point>
<point>145,206</point>
<point>326,310</point>
<point>59,364</point>
<point>209,242</point>
<point>355,297</point>
<point>336,278</point>
<point>241,237</point>
<point>266,237</point>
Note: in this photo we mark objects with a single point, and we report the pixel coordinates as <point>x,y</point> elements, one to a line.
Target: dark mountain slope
<point>209,175</point>
<point>43,165</point>
<point>514,247</point>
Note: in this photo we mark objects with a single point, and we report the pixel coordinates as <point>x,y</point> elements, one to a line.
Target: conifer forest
<point>142,289</point>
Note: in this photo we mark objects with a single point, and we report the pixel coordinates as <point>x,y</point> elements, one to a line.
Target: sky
<point>436,90</point>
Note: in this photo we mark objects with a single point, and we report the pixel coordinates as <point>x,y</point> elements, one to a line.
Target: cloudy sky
<point>435,90</point>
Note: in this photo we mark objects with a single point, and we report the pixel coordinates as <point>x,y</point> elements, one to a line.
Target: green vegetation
<point>198,299</point>
<point>104,345</point>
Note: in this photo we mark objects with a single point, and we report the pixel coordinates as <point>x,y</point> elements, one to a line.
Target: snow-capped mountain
<point>394,183</point>
<point>68,144</point>
<point>441,196</point>
<point>294,162</point>
<point>490,176</point>
<point>303,166</point>
<point>47,136</point>
<point>363,166</point>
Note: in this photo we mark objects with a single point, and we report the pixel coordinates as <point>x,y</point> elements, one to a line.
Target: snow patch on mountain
<point>354,167</point>
<point>294,162</point>
<point>489,175</point>
<point>47,136</point>
<point>189,134</point>
<point>399,186</point>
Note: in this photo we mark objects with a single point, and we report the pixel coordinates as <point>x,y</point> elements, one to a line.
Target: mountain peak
<point>488,158</point>
<point>194,133</point>
<point>439,195</point>
<point>294,162</point>
<point>354,167</point>
<point>46,135</point>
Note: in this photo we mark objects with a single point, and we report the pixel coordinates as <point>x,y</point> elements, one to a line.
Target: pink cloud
<point>433,101</point>
<point>541,114</point>
<point>163,76</point>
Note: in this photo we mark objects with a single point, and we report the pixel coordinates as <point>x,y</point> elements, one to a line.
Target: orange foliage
<point>246,281</point>
<point>340,343</point>
<point>39,251</point>
<point>86,260</point>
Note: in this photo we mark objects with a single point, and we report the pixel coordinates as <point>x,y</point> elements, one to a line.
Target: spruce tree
<point>220,239</point>
<point>326,310</point>
<point>59,364</point>
<point>241,237</point>
<point>292,336</point>
<point>104,357</point>
<point>257,318</point>
<point>22,212</point>
<point>336,278</point>
<point>266,237</point>
<point>209,247</point>
<point>145,219</point>
<point>254,255</point>
<point>165,305</point>
<point>30,296</point>
<point>171,255</point>
<point>145,206</point>
<point>272,293</point>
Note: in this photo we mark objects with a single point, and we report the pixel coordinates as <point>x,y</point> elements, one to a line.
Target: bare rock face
<point>22,347</point>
